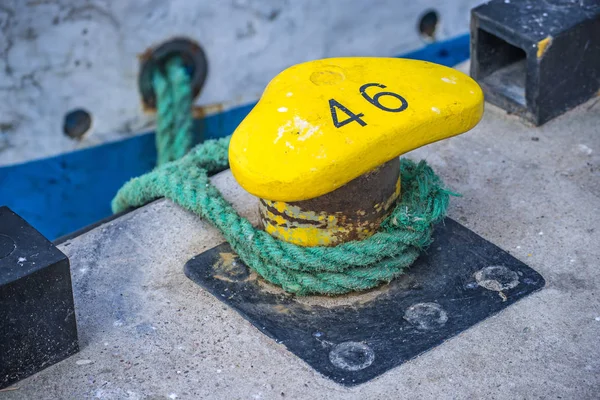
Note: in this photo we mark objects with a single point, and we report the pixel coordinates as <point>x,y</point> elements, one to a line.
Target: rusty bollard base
<point>351,212</point>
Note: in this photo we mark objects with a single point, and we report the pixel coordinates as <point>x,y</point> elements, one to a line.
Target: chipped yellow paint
<point>292,224</point>
<point>289,149</point>
<point>390,202</point>
<point>311,228</point>
<point>543,45</point>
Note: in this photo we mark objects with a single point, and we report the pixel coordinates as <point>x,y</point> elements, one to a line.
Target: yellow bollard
<point>321,146</point>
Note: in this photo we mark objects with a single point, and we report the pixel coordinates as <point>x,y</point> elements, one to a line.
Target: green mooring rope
<point>173,107</point>
<point>348,267</point>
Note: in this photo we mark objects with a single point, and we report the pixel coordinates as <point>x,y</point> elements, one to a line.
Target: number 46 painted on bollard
<point>333,104</point>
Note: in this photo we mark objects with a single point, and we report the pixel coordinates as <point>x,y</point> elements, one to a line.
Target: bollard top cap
<point>320,124</point>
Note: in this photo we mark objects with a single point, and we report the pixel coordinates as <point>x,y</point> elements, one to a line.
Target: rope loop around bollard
<point>348,267</point>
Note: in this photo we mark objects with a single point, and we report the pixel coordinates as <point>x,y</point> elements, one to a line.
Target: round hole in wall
<point>77,122</point>
<point>428,24</point>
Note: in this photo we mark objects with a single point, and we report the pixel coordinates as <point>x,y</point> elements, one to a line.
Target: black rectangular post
<point>37,313</point>
<point>536,58</point>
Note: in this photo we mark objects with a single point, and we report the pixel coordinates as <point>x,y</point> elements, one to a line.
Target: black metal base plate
<point>462,280</point>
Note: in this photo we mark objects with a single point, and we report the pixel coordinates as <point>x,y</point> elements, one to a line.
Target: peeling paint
<point>543,45</point>
<point>321,221</point>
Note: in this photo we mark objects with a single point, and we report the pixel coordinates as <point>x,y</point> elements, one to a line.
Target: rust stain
<point>146,109</point>
<point>223,278</point>
<point>146,55</point>
<point>228,269</point>
<point>208,109</point>
<point>143,59</point>
<point>198,111</point>
<point>268,287</point>
<point>280,308</point>
<point>355,300</point>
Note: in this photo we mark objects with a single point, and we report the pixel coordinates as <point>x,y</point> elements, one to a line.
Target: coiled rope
<point>352,266</point>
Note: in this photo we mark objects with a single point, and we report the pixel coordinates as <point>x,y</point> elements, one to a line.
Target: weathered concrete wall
<point>57,55</point>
